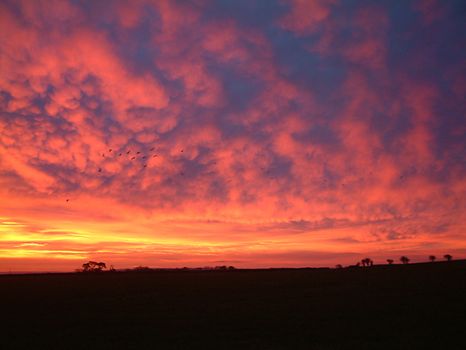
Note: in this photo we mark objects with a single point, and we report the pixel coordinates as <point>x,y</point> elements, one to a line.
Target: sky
<point>252,133</point>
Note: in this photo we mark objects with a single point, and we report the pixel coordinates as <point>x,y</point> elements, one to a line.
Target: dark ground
<point>417,306</point>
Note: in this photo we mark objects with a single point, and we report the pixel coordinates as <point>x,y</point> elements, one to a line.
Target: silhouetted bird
<point>144,157</point>
<point>145,165</point>
<point>152,148</point>
<point>67,200</point>
<point>138,152</point>
<point>154,156</point>
<point>110,150</point>
<point>181,151</point>
<point>128,152</point>
<point>100,170</point>
<point>119,155</point>
<point>133,158</point>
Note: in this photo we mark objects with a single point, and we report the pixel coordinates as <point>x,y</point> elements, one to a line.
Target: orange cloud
<point>159,133</point>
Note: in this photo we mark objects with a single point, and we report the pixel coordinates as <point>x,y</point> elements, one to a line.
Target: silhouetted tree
<point>367,262</point>
<point>448,257</point>
<point>390,261</point>
<point>93,266</point>
<point>404,260</point>
<point>142,268</point>
<point>432,258</point>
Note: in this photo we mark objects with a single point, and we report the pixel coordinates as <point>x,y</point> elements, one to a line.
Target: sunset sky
<point>276,133</point>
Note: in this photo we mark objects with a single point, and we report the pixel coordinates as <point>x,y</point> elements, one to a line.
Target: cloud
<point>320,125</point>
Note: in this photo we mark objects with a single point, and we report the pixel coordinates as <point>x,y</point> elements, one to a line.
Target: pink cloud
<point>285,172</point>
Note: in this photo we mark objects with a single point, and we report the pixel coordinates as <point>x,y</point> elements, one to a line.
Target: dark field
<point>418,306</point>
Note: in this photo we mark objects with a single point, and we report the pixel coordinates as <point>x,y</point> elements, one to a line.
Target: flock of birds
<point>145,157</point>
<point>132,157</point>
<point>136,156</point>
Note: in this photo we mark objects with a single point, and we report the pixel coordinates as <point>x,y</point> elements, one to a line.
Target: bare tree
<point>404,259</point>
<point>390,261</point>
<point>448,257</point>
<point>432,258</point>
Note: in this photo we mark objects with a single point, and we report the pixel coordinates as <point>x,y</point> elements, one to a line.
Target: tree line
<point>95,267</point>
<point>366,262</point>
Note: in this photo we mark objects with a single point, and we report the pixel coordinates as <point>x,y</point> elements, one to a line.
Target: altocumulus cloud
<point>283,133</point>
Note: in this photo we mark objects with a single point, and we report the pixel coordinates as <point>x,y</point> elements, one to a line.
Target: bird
<point>133,158</point>
<point>145,165</point>
<point>103,154</point>
<point>110,150</point>
<point>154,156</point>
<point>119,155</point>
<point>100,170</point>
<point>152,148</point>
<point>128,152</point>
<point>144,157</point>
<point>181,151</point>
<point>67,200</point>
<point>138,152</point>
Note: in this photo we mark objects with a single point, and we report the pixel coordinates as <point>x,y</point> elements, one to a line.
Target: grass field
<point>416,306</point>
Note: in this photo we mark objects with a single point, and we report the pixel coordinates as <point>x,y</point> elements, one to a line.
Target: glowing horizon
<point>278,134</point>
